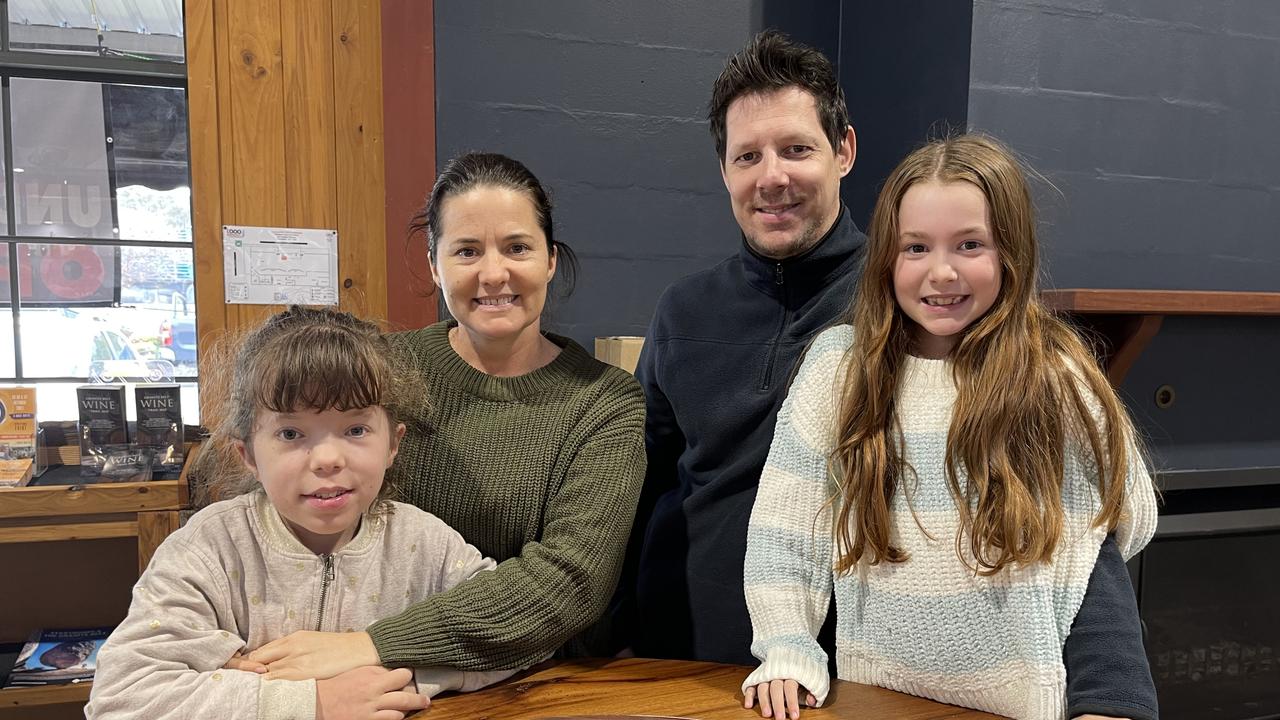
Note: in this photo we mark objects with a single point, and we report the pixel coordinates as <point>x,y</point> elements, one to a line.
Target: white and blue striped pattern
<point>928,626</point>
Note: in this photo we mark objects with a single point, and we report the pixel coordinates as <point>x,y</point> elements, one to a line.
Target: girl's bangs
<point>321,374</point>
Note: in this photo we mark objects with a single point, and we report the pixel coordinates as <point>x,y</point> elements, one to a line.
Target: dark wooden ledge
<point>1128,319</point>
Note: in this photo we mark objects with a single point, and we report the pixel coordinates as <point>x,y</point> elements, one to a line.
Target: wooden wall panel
<point>357,83</point>
<point>257,178</point>
<point>206,159</point>
<point>310,153</point>
<point>286,130</point>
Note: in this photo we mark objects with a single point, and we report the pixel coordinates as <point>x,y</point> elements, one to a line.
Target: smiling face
<point>947,272</point>
<point>782,174</point>
<point>322,470</point>
<point>493,263</point>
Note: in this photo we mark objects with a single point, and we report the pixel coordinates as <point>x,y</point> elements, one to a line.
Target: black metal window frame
<point>85,68</point>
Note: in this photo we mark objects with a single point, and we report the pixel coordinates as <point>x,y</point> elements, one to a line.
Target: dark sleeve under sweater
<point>1107,669</point>
<point>663,444</point>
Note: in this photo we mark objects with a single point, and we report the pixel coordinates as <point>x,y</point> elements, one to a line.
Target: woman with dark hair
<point>530,448</point>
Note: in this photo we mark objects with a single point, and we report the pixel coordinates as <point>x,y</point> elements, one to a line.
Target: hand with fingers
<point>368,693</point>
<point>307,654</point>
<point>778,699</point>
<point>242,662</point>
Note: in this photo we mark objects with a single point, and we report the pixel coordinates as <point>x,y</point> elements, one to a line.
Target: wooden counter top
<point>615,689</point>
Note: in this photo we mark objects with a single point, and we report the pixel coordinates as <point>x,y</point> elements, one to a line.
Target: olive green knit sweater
<point>541,472</point>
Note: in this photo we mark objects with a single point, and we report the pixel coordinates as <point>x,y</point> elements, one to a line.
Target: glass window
<point>132,29</point>
<point>103,348</point>
<point>56,275</point>
<point>4,193</point>
<point>6,318</point>
<point>95,201</point>
<point>100,161</point>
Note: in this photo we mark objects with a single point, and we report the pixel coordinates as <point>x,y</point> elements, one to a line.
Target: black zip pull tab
<point>777,274</point>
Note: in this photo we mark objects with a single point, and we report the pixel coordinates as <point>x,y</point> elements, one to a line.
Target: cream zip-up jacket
<point>235,578</point>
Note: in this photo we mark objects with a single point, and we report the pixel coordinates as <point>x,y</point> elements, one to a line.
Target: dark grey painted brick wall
<point>904,67</point>
<point>1157,121</point>
<point>605,101</point>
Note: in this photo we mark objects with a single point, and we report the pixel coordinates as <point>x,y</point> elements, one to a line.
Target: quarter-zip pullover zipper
<point>324,588</point>
<point>778,279</point>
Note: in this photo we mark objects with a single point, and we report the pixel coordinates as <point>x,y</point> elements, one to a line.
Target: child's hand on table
<point>778,699</point>
<point>368,693</point>
<point>241,662</point>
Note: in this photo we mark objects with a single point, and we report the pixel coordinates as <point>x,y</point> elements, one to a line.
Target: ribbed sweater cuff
<point>402,640</point>
<point>412,639</point>
<point>787,664</point>
<point>287,700</point>
<point>432,681</point>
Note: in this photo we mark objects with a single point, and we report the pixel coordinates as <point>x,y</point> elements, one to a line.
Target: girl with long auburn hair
<point>949,462</point>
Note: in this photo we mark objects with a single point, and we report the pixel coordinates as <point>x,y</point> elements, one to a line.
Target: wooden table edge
<point>555,689</point>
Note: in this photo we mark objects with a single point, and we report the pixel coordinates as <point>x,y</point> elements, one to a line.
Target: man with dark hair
<point>723,342</point>
<point>771,62</point>
<point>718,359</point>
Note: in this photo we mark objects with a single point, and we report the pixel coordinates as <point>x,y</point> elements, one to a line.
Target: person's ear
<point>555,258</point>
<point>396,437</point>
<point>847,151</point>
<point>435,274</point>
<point>246,456</point>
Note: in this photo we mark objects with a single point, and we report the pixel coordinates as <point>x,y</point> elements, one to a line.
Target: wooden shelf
<point>97,498</point>
<point>126,526</point>
<point>54,500</point>
<point>47,695</point>
<point>1217,478</point>
<point>1163,302</point>
<point>1128,319</point>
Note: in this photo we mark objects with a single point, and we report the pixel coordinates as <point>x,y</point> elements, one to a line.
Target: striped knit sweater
<point>928,626</point>
<point>541,472</point>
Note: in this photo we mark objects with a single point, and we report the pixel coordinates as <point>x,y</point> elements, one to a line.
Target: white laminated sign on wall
<point>280,266</point>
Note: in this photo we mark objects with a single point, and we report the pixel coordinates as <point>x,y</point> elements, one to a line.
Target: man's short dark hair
<point>772,62</point>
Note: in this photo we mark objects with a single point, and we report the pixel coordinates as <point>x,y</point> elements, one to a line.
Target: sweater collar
<point>556,374</point>
<point>832,255</point>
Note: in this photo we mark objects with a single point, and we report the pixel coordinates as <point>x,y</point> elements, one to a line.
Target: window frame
<point>27,64</point>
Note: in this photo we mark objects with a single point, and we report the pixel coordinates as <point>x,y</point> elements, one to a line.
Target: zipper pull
<point>777,274</point>
<point>328,568</point>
